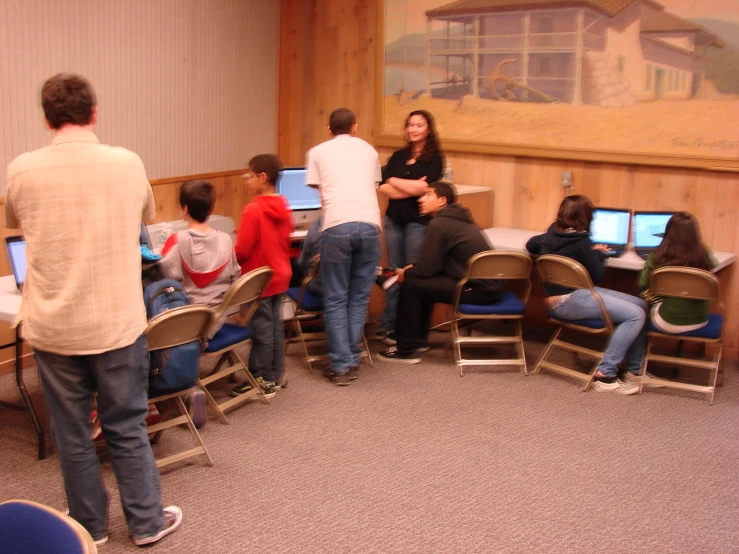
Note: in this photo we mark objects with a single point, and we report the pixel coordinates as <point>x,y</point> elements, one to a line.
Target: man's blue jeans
<point>403,244</point>
<point>121,380</point>
<point>349,256</point>
<point>628,314</point>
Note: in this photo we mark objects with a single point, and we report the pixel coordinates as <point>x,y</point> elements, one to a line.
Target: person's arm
<point>248,236</point>
<point>534,244</point>
<point>392,193</point>
<point>313,176</point>
<point>432,258</point>
<point>592,260</point>
<point>171,262</point>
<point>409,187</point>
<point>150,208</point>
<point>646,273</point>
<point>234,269</point>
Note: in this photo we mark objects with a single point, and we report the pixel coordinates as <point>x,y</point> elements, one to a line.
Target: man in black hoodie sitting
<point>451,239</point>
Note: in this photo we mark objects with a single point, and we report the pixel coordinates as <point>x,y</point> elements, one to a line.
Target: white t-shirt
<point>347,170</point>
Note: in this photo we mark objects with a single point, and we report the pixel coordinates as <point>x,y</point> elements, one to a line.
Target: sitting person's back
<point>681,246</point>
<point>202,258</point>
<point>312,248</point>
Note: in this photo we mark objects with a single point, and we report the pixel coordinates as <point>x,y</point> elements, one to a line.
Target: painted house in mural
<point>602,52</point>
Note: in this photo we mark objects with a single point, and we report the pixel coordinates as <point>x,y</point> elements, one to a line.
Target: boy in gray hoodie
<point>202,258</point>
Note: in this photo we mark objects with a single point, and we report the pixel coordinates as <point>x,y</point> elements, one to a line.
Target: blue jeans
<point>267,354</point>
<point>349,255</point>
<point>121,380</point>
<point>403,244</point>
<point>628,313</point>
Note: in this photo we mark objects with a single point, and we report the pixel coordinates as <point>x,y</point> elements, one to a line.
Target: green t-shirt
<point>679,311</point>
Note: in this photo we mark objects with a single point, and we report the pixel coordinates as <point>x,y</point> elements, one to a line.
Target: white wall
<point>190,85</point>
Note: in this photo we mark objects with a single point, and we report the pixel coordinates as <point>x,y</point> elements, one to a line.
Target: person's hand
<point>601,247</point>
<point>424,179</point>
<point>401,273</point>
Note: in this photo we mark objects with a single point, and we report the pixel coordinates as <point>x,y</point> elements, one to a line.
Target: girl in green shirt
<point>680,246</point>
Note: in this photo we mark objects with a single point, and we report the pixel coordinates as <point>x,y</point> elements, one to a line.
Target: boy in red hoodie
<point>264,240</point>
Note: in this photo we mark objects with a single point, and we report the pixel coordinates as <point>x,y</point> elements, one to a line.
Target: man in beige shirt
<point>80,205</point>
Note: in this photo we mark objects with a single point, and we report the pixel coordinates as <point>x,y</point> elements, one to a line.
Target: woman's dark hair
<point>682,244</point>
<point>575,212</point>
<point>432,145</point>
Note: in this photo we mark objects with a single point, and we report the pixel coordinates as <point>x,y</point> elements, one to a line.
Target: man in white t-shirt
<point>346,170</point>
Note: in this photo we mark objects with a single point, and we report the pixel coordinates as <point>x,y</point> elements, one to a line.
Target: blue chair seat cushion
<point>594,323</point>
<point>228,335</point>
<point>311,302</point>
<point>508,305</point>
<point>711,331</point>
<point>26,528</point>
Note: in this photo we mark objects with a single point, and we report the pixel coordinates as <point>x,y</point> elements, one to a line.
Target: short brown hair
<point>68,98</point>
<point>199,197</point>
<point>268,164</point>
<point>442,189</point>
<point>341,121</point>
<point>575,212</point>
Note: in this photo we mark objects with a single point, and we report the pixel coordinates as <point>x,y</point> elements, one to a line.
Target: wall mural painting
<point>623,80</point>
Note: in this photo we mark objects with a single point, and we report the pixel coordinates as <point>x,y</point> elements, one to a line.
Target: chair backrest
<point>31,527</point>
<point>685,282</point>
<point>566,272</point>
<point>315,269</point>
<point>179,326</point>
<point>563,271</point>
<point>247,289</point>
<point>502,265</point>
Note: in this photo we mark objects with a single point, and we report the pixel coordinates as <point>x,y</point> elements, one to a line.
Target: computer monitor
<point>610,226</point>
<point>304,201</point>
<point>17,255</point>
<point>649,228</point>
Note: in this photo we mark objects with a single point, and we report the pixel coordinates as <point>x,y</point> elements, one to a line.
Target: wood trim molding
<point>170,180</point>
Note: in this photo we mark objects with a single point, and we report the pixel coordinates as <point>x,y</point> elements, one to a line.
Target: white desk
<point>505,238</point>
<point>10,299</point>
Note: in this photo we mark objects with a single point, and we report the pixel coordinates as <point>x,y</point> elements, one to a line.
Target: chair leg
<point>717,362</point>
<point>520,346</point>
<point>548,347</point>
<point>212,402</point>
<point>456,348</point>
<point>193,429</point>
<point>366,347</point>
<point>591,375</point>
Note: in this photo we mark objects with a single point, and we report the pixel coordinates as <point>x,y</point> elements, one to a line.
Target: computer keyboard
<point>613,253</point>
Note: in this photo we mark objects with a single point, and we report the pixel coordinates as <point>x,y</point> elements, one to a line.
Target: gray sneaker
<point>636,379</point>
<point>617,387</point>
<point>172,520</point>
<point>196,405</point>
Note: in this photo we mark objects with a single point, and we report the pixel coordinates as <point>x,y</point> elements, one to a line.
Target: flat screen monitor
<point>304,201</point>
<point>610,226</point>
<point>649,228</point>
<point>17,255</point>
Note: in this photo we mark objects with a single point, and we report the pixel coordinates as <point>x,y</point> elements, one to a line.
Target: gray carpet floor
<point>415,459</point>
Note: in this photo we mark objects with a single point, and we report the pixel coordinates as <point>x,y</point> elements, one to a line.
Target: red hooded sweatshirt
<point>264,239</point>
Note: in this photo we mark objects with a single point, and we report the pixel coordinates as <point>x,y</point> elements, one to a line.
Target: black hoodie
<point>575,245</point>
<point>451,239</point>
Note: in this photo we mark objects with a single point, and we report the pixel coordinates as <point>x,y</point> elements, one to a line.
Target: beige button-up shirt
<point>80,205</point>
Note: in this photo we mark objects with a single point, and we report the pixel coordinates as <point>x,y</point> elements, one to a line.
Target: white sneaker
<point>172,520</point>
<point>632,378</point>
<point>617,387</point>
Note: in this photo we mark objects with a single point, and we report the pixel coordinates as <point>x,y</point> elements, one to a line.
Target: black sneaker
<point>339,379</point>
<point>390,339</point>
<point>381,334</point>
<point>268,388</point>
<point>393,355</point>
<point>354,372</point>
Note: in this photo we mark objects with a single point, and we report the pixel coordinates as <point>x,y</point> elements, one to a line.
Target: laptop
<point>649,228</point>
<point>17,255</point>
<point>610,227</point>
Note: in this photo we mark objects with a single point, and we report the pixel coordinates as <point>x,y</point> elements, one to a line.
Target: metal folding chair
<point>566,272</point>
<point>246,291</point>
<point>691,284</point>
<point>167,330</point>
<point>504,266</point>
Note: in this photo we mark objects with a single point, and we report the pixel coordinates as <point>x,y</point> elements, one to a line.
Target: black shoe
<point>339,379</point>
<point>390,339</point>
<point>354,372</point>
<point>393,355</point>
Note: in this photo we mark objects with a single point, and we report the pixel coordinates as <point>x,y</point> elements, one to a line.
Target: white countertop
<point>506,238</point>
<point>10,299</point>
